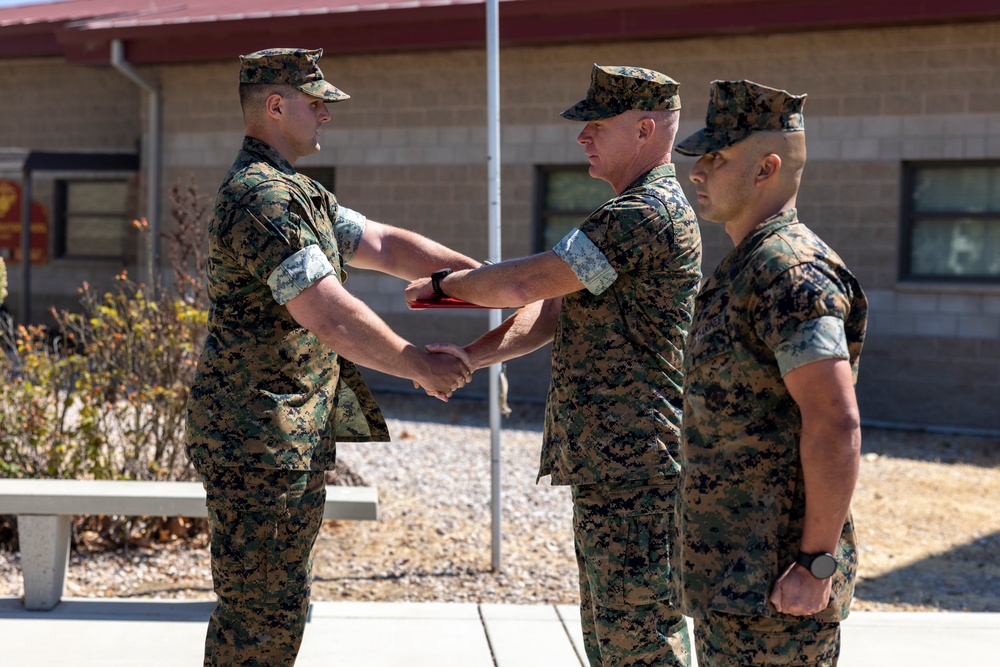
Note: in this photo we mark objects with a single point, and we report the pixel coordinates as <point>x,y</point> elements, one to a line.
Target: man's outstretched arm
<point>525,331</point>
<point>348,326</point>
<point>403,253</point>
<point>510,284</point>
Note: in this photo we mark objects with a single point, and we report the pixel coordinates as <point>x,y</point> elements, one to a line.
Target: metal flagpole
<point>493,165</point>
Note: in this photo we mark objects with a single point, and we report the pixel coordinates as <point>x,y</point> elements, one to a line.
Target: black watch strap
<point>821,565</point>
<point>436,279</point>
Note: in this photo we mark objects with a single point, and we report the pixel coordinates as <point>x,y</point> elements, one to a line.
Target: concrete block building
<point>902,121</point>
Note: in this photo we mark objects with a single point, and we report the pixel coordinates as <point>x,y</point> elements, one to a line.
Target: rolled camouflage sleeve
<point>629,231</point>
<point>587,261</point>
<point>800,316</point>
<point>298,272</point>
<point>348,226</point>
<point>814,340</point>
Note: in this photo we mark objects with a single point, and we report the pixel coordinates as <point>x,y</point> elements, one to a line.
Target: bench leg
<point>44,557</point>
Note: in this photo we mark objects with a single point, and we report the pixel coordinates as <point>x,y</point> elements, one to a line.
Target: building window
<point>951,227</point>
<point>322,175</point>
<point>565,196</point>
<point>92,218</point>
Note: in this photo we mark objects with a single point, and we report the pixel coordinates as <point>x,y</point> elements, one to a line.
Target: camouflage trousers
<point>263,525</point>
<point>729,640</point>
<point>622,534</point>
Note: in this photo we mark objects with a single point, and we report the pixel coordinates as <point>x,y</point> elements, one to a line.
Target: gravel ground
<point>927,509</point>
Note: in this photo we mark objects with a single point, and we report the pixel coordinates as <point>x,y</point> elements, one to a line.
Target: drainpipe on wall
<point>154,152</point>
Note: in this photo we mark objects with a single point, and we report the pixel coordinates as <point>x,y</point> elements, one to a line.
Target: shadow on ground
<point>966,578</point>
<point>454,573</point>
<point>932,447</point>
<point>457,411</point>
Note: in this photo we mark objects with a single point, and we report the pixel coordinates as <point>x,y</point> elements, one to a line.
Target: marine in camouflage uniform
<point>620,293</point>
<point>782,300</point>
<point>271,399</point>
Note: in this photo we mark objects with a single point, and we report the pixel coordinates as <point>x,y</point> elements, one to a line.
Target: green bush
<point>133,360</point>
<point>42,434</point>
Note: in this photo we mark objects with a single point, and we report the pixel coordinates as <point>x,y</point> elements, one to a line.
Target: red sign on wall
<point>10,226</point>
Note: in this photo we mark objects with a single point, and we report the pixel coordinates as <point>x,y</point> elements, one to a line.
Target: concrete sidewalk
<point>128,633</point>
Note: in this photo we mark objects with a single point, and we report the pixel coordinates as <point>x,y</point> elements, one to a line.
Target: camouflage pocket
<point>624,535</point>
<point>647,563</point>
<point>731,639</point>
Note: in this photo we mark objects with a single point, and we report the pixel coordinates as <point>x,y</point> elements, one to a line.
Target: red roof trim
<point>357,26</point>
<point>31,45</point>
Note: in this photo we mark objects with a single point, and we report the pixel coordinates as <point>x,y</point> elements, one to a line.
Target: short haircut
<point>253,96</point>
<point>669,118</point>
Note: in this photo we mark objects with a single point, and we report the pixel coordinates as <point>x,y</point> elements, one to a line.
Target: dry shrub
<point>103,394</point>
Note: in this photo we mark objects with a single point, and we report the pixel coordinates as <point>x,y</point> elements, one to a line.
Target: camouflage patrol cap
<point>294,67</point>
<point>737,109</point>
<point>615,90</point>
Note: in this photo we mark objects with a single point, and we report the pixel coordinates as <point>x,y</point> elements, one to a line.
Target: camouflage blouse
<point>267,393</point>
<point>767,308</point>
<point>614,405</point>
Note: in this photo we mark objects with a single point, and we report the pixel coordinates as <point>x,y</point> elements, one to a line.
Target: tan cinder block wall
<point>409,149</point>
<point>51,106</point>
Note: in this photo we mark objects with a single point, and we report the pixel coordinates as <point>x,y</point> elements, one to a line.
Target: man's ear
<point>767,168</point>
<point>273,104</point>
<point>646,128</point>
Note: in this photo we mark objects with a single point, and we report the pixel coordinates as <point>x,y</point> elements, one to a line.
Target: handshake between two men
<point>428,291</point>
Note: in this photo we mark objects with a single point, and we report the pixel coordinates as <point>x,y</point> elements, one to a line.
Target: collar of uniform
<point>783,218</point>
<point>269,154</point>
<point>732,264</point>
<point>654,174</point>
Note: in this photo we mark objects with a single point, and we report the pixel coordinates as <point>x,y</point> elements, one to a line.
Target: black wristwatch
<point>436,279</point>
<point>821,565</point>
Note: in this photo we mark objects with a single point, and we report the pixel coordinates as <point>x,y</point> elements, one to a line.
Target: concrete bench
<point>44,508</point>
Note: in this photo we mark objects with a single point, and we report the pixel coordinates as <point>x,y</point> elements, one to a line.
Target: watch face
<point>823,566</point>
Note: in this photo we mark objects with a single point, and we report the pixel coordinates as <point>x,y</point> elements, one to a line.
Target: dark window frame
<point>540,214</point>
<point>325,176</point>
<point>61,215</point>
<point>909,216</point>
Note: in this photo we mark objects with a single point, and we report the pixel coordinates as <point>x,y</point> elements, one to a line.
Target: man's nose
<point>697,174</point>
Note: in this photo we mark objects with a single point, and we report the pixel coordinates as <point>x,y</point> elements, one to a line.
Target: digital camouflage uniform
<point>270,401</point>
<point>612,423</point>
<point>781,299</point>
